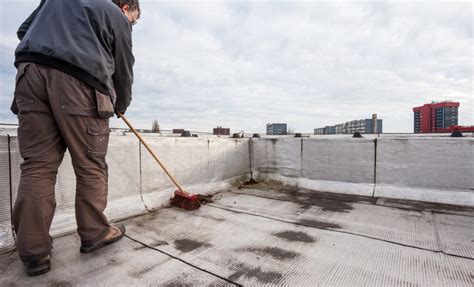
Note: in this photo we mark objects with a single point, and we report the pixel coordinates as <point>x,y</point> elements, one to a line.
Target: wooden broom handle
<point>151,152</point>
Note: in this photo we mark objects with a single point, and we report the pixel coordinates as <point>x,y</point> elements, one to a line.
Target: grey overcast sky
<point>242,64</point>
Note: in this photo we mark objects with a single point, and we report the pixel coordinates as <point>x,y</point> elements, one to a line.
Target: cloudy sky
<point>242,64</point>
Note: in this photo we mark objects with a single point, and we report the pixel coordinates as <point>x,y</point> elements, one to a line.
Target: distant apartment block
<point>276,129</point>
<point>327,130</point>
<point>435,117</point>
<point>365,126</point>
<point>220,131</point>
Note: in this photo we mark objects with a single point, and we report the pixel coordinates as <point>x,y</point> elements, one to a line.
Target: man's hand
<point>119,111</point>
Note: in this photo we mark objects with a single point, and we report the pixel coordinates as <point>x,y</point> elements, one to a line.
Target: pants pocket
<point>14,106</point>
<point>97,141</point>
<point>77,98</point>
<point>105,107</point>
<point>30,90</point>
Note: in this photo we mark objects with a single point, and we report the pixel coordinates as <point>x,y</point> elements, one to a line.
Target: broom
<point>181,198</point>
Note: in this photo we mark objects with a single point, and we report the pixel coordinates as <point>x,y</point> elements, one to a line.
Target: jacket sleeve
<point>24,27</point>
<point>123,75</point>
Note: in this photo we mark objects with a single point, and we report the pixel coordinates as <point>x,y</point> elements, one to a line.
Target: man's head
<point>130,8</point>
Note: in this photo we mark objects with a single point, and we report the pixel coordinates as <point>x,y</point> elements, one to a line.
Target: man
<point>75,66</point>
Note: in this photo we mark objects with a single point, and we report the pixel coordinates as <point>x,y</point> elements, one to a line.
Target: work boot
<point>38,267</point>
<point>113,234</point>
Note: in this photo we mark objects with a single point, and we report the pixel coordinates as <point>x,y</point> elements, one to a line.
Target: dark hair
<point>133,4</point>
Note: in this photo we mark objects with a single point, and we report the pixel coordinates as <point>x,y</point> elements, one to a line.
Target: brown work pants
<point>57,112</point>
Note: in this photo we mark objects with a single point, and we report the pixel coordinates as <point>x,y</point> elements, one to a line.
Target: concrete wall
<point>339,165</point>
<point>277,156</point>
<point>331,165</point>
<point>440,170</point>
<point>199,165</point>
<point>425,169</point>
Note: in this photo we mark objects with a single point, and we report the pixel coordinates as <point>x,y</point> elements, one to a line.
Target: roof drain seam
<point>183,261</point>
<point>143,201</point>
<point>375,166</point>
<point>340,231</point>
<point>140,168</point>
<point>435,230</point>
<point>250,157</point>
<point>301,158</point>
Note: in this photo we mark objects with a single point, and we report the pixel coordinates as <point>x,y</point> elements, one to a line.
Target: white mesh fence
<point>205,165</point>
<point>6,236</point>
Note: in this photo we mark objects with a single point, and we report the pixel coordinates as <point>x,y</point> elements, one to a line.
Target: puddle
<point>326,201</point>
<point>275,252</point>
<point>426,206</point>
<point>295,236</point>
<point>187,245</point>
<point>265,277</point>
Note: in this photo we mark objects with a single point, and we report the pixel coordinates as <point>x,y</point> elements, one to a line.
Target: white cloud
<point>242,64</point>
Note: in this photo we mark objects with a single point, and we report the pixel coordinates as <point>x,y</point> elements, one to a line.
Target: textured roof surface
<point>271,234</point>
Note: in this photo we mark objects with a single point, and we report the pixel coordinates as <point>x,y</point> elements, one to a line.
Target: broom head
<point>185,200</point>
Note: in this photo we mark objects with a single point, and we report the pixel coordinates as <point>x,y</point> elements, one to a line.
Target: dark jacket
<point>88,39</point>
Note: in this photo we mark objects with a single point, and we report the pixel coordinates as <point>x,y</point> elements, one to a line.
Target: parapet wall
<point>136,182</point>
<point>437,170</point>
<point>434,170</point>
<point>201,165</point>
<point>331,165</point>
<point>426,169</point>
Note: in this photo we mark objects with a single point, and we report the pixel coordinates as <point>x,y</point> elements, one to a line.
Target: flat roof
<point>269,234</point>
